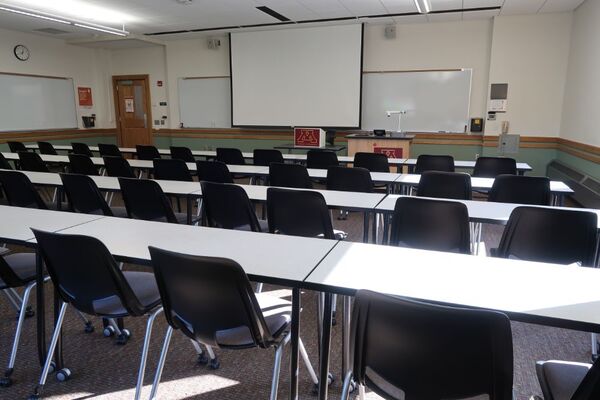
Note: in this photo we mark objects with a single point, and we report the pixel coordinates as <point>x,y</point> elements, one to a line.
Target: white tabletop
<point>469,164</point>
<point>567,293</point>
<point>17,221</point>
<point>262,255</point>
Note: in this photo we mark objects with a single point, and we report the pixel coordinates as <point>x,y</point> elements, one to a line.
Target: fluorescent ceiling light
<point>423,6</point>
<point>29,14</point>
<point>79,9</point>
<point>102,29</point>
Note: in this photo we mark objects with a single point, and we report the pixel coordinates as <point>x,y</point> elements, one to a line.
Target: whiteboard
<point>34,103</point>
<point>205,102</point>
<point>434,100</point>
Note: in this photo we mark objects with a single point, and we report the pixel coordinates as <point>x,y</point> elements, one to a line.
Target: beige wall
<point>582,89</point>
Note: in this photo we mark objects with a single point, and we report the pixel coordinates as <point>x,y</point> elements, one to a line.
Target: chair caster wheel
<point>52,367</point>
<point>352,387</point>
<point>89,328</point>
<point>330,379</point>
<point>109,331</point>
<point>34,397</point>
<point>29,312</point>
<point>123,338</point>
<point>202,359</point>
<point>5,382</point>
<point>594,357</point>
<point>214,363</point>
<point>63,375</point>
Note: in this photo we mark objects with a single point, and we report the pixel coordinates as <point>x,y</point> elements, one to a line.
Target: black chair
<point>454,353</point>
<point>298,213</point>
<point>109,149</point>
<point>82,164</point>
<point>289,175</point>
<point>431,225</point>
<point>46,148</point>
<point>172,169</point>
<point>562,380</point>
<point>19,190</point>
<point>4,164</point>
<point>144,199</point>
<point>491,167</point>
<point>447,185</point>
<point>426,162</point>
<point>228,206</point>
<point>85,197</point>
<point>550,235</point>
<point>230,156</point>
<point>99,289</point>
<point>17,270</point>
<point>264,157</point>
<point>118,167</point>
<point>210,300</point>
<point>16,147</point>
<point>519,189</point>
<point>30,161</point>
<point>349,179</point>
<point>213,171</point>
<point>321,159</point>
<point>146,152</point>
<point>374,162</point>
<point>182,153</point>
<point>81,148</point>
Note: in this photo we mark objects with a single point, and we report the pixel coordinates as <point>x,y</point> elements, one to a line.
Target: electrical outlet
<point>157,122</point>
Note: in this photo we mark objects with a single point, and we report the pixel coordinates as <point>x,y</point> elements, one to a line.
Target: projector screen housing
<point>297,77</point>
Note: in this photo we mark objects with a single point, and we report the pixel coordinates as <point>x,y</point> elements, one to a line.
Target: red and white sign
<point>85,96</point>
<point>309,137</point>
<point>390,152</point>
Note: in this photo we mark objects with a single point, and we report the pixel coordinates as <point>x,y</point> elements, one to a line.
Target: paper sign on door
<point>129,106</point>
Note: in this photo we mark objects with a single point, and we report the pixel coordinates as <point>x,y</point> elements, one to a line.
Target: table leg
<point>325,345</point>
<point>189,209</point>
<point>386,229</point>
<point>366,227</point>
<point>58,198</point>
<point>375,227</point>
<point>58,356</point>
<point>346,336</point>
<point>295,331</point>
<point>40,306</point>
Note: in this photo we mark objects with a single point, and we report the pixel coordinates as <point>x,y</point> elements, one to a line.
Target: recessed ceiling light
<point>79,9</point>
<point>423,6</point>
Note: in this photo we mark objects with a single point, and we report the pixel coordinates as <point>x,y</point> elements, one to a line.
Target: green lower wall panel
<point>587,167</point>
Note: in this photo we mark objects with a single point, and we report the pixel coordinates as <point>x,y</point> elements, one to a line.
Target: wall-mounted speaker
<point>390,31</point>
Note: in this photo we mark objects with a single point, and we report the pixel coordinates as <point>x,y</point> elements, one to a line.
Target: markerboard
<point>434,100</point>
<point>36,103</point>
<point>205,102</point>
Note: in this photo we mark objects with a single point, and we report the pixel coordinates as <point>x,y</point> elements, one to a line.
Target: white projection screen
<point>297,77</point>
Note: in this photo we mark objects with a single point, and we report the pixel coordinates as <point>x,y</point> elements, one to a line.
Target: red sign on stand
<point>309,137</point>
<point>390,152</point>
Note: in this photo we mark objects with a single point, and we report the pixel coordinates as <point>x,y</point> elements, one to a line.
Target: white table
<point>521,167</point>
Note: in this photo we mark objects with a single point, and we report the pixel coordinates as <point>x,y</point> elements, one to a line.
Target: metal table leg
<point>40,306</point>
<point>325,345</point>
<point>295,333</point>
<point>366,227</point>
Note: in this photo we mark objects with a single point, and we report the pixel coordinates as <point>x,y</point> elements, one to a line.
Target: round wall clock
<point>21,52</point>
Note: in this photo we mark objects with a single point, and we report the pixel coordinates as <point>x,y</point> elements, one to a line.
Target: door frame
<point>146,79</point>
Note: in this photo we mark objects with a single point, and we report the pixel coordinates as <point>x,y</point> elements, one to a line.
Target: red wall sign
<point>390,152</point>
<point>85,96</point>
<point>308,137</point>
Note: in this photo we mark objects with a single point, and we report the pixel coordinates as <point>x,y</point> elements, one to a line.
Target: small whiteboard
<point>30,103</point>
<point>434,101</point>
<point>205,102</point>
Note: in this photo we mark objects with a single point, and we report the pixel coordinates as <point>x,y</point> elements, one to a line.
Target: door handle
<point>145,120</point>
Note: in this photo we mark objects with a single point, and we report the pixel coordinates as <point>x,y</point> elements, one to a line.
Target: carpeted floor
<point>103,370</point>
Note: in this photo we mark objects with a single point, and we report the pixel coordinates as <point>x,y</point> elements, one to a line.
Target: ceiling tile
<point>446,17</point>
<point>512,7</point>
<point>560,5</point>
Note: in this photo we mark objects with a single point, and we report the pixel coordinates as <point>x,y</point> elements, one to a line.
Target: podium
<point>392,145</point>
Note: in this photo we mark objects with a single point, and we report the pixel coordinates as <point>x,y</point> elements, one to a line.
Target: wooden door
<point>132,108</point>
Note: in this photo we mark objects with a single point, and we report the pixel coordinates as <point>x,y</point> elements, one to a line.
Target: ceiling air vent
<point>50,31</point>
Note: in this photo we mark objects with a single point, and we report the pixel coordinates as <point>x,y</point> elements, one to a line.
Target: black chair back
<point>349,179</point>
<point>30,161</point>
<point>118,166</point>
<point>83,195</point>
<point>227,206</point>
<point>146,152</point>
<point>82,148</point>
<point>213,171</point>
<point>427,162</point>
<point>264,157</point>
<point>321,159</point>
<point>16,147</point>
<point>8,277</point>
<point>374,162</point>
<point>447,185</point>
<point>144,199</point>
<point>4,164</point>
<point>100,283</point>
<point>206,297</point>
<point>19,190</point>
<point>82,164</point>
<point>454,353</point>
<point>172,169</point>
<point>289,175</point>
<point>431,225</point>
<point>589,388</point>
<point>550,235</point>
<point>519,189</point>
<point>46,148</point>
<point>230,156</point>
<point>182,153</point>
<point>298,213</point>
<point>491,167</point>
<point>109,149</point>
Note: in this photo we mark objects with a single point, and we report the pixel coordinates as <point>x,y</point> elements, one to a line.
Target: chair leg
<point>12,300</point>
<point>361,392</point>
<point>161,362</point>
<point>144,357</point>
<point>47,364</point>
<point>277,368</point>
<point>202,358</point>
<point>6,381</point>
<point>309,367</point>
<point>346,386</point>
<point>259,287</point>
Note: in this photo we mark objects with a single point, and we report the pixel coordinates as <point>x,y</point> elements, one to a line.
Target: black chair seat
<point>277,314</point>
<point>144,288</point>
<point>560,379</point>
<point>23,265</point>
